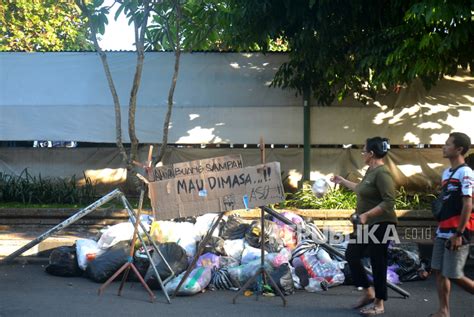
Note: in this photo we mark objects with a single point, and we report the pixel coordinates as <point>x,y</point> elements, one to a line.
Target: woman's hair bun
<point>379,146</point>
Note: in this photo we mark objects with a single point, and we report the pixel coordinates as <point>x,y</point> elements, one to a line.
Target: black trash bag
<point>228,261</point>
<point>176,257</point>
<point>185,219</point>
<point>417,273</point>
<point>63,262</point>
<point>408,262</point>
<point>214,245</point>
<point>234,228</point>
<point>273,242</point>
<point>142,265</point>
<point>105,265</point>
<point>283,278</point>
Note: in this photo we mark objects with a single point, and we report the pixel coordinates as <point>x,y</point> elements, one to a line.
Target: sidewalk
<point>20,226</point>
<point>12,240</point>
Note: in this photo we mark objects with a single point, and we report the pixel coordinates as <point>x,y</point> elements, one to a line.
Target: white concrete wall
<point>220,98</point>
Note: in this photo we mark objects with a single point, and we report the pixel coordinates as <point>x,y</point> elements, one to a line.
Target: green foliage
<point>95,14</point>
<point>187,24</point>
<point>434,39</point>
<point>200,25</point>
<point>341,47</point>
<point>345,199</point>
<point>41,25</point>
<point>334,199</point>
<point>28,189</point>
<point>415,201</point>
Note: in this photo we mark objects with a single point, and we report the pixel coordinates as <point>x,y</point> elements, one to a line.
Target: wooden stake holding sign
<point>261,272</point>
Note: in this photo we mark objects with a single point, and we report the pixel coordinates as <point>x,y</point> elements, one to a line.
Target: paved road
<point>26,290</point>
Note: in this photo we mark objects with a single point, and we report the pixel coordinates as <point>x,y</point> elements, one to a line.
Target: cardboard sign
<point>216,164</point>
<point>205,192</point>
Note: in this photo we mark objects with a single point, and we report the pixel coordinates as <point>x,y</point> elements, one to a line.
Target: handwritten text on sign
<point>216,164</point>
<point>194,195</point>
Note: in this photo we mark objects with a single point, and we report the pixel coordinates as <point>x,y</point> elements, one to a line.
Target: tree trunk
<point>133,106</point>
<point>166,123</point>
<point>117,109</point>
<point>177,55</point>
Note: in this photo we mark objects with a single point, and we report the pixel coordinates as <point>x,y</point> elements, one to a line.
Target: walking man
<point>455,223</point>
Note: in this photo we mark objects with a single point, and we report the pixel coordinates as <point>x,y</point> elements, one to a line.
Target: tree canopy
<point>338,47</point>
<point>46,25</point>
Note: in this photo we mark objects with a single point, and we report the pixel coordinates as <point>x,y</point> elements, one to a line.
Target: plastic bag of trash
<point>244,272</point>
<point>204,223</point>
<point>63,262</point>
<point>221,279</point>
<point>142,264</point>
<point>234,248</point>
<point>214,245</point>
<point>283,278</point>
<point>228,261</point>
<point>300,277</point>
<point>234,228</point>
<point>303,247</point>
<point>250,254</point>
<point>273,242</point>
<point>170,231</point>
<point>407,261</point>
<point>320,187</point>
<point>321,254</point>
<point>208,260</point>
<point>288,236</point>
<point>116,233</point>
<point>180,232</point>
<point>317,284</point>
<point>280,258</point>
<point>330,271</point>
<point>197,281</point>
<point>86,250</point>
<point>105,265</point>
<point>392,276</point>
<point>176,258</point>
<point>287,233</point>
<point>416,273</point>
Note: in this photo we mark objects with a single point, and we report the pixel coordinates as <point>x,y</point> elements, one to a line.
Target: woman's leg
<point>378,252</point>
<point>354,254</point>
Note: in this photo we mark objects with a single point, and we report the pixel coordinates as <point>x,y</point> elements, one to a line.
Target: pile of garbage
<point>230,257</point>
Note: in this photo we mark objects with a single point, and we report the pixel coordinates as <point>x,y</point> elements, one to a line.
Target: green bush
<point>28,189</point>
<point>346,199</point>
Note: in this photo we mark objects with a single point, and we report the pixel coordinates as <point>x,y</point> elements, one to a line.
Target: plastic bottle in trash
<point>317,284</point>
<point>326,270</point>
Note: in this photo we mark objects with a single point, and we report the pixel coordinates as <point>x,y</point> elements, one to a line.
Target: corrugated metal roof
<point>132,51</point>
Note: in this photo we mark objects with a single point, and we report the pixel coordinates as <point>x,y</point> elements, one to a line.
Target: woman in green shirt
<point>375,208</point>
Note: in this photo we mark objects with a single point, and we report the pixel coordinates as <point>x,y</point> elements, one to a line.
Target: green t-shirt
<point>377,189</point>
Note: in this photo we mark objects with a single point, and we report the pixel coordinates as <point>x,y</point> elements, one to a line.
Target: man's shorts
<point>449,263</point>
